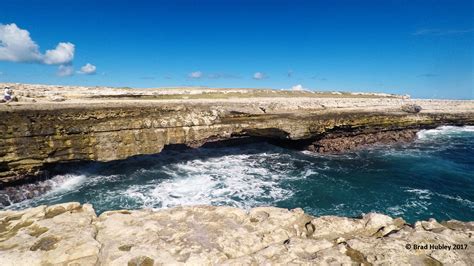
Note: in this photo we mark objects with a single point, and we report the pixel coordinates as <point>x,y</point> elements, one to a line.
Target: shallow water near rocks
<point>431,177</point>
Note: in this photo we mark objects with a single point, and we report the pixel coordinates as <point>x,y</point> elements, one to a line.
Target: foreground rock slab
<point>56,235</point>
<point>71,234</point>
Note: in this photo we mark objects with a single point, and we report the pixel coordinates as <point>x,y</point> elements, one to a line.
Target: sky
<point>421,48</point>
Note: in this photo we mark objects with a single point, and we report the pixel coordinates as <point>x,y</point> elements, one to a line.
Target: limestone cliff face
<point>33,136</point>
<point>71,234</point>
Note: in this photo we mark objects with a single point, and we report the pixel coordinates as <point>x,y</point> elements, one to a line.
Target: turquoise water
<point>431,177</point>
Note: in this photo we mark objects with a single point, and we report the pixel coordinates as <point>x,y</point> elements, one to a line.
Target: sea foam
<point>443,130</point>
<point>235,180</point>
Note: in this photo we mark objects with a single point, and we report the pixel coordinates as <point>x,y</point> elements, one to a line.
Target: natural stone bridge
<point>34,135</point>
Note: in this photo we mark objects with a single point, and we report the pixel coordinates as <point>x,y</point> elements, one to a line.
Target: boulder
<point>411,108</point>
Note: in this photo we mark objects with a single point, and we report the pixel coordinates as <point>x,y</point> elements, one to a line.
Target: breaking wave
<point>431,177</point>
<point>443,131</point>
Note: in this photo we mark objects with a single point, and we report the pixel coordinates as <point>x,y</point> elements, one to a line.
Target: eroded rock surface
<point>345,141</point>
<point>206,235</point>
<point>105,124</point>
<point>57,235</point>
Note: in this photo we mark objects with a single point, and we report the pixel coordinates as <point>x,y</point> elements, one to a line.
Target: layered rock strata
<point>34,135</point>
<point>71,234</point>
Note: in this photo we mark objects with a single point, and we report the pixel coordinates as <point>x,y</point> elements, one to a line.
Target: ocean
<point>430,177</point>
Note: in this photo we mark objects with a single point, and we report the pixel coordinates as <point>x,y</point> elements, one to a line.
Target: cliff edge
<point>65,124</point>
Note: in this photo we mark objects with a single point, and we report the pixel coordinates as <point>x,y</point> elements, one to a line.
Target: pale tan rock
<point>431,224</point>
<point>333,227</point>
<point>206,235</point>
<point>56,235</point>
<point>57,98</point>
<point>376,220</point>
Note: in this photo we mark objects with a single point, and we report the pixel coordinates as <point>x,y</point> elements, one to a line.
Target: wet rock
<point>14,194</point>
<point>337,142</point>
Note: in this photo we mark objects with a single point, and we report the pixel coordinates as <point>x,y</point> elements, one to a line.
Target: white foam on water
<point>420,193</point>
<point>396,210</point>
<point>236,180</point>
<point>465,202</point>
<point>443,130</point>
<point>69,182</point>
<point>58,185</point>
<point>422,200</point>
<point>419,203</point>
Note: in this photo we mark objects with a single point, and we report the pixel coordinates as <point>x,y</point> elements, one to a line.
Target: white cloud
<point>65,70</point>
<point>298,87</point>
<point>88,69</point>
<point>259,75</point>
<point>16,45</point>
<point>195,75</point>
<point>62,54</point>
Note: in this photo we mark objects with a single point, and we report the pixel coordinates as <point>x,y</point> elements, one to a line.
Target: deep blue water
<point>431,177</point>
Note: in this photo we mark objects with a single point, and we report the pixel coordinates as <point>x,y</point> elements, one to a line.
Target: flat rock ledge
<point>72,234</point>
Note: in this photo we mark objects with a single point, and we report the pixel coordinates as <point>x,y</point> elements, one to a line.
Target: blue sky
<point>421,48</point>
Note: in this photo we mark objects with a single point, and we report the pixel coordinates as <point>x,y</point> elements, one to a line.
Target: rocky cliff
<point>81,127</point>
<point>71,234</point>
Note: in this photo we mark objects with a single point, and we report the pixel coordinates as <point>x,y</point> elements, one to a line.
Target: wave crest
<point>443,130</point>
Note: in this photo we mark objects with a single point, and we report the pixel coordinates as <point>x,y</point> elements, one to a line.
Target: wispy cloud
<point>318,78</point>
<point>222,76</point>
<point>441,32</point>
<point>200,74</point>
<point>195,75</point>
<point>259,76</point>
<point>65,71</point>
<point>427,75</point>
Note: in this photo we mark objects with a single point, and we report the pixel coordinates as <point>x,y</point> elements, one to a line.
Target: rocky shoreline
<point>90,125</point>
<point>71,234</point>
<point>338,142</point>
<point>334,142</point>
<point>341,142</point>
